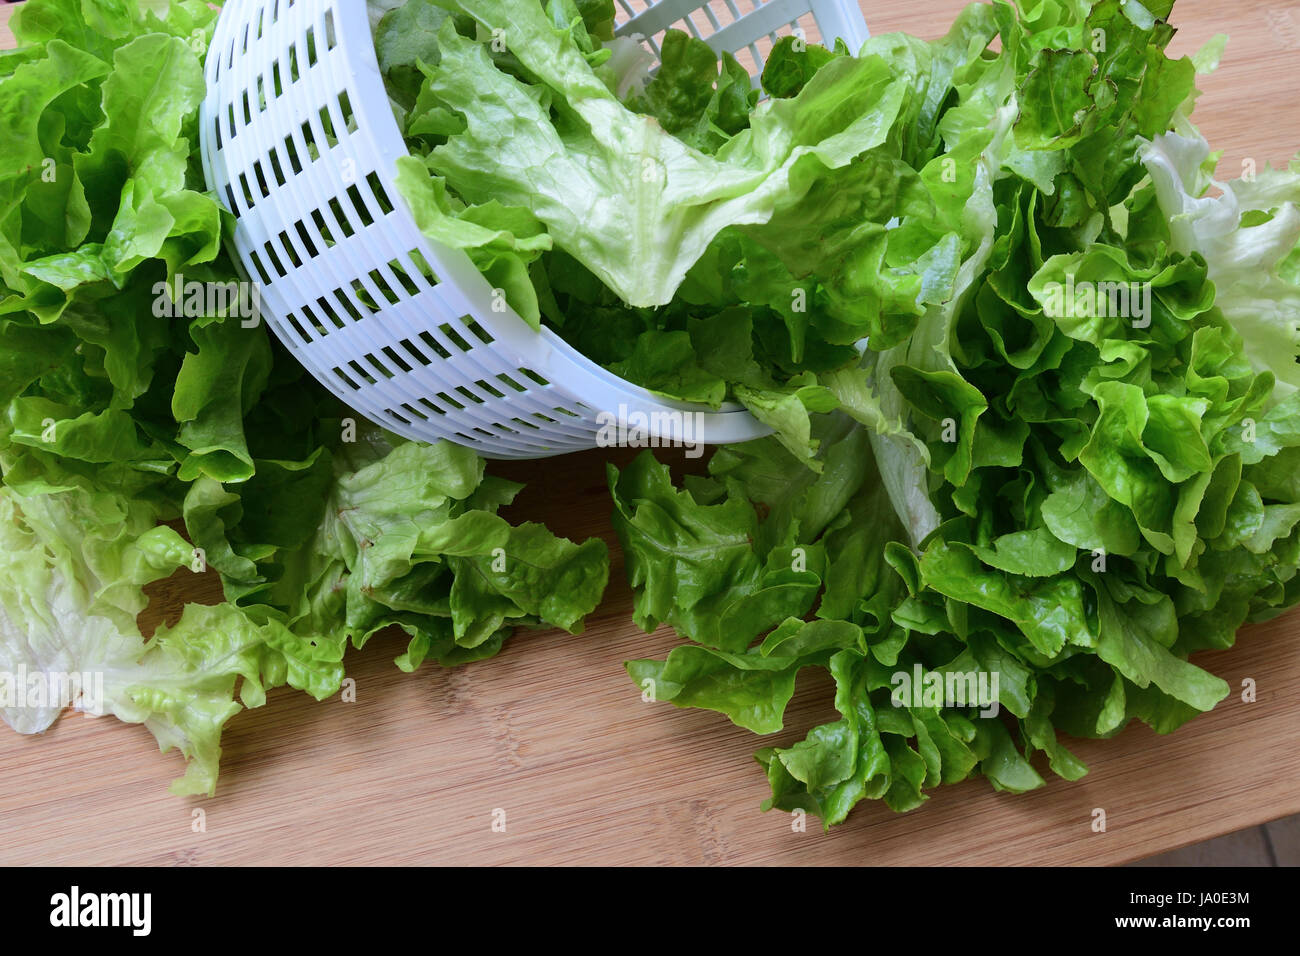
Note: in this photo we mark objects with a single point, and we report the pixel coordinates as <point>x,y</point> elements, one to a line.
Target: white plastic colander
<point>299,141</point>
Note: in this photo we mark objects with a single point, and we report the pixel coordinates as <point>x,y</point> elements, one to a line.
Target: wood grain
<point>553,733</point>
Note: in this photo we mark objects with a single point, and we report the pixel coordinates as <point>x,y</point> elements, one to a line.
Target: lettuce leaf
<point>635,204</point>
<point>75,565</point>
<point>1070,469</point>
<point>121,415</point>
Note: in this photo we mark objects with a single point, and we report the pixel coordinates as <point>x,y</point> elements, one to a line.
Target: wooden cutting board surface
<point>553,734</point>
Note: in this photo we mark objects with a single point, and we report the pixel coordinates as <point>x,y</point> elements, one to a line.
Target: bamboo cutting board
<point>553,738</point>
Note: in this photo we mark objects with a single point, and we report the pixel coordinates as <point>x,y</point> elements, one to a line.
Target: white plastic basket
<point>299,141</point>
